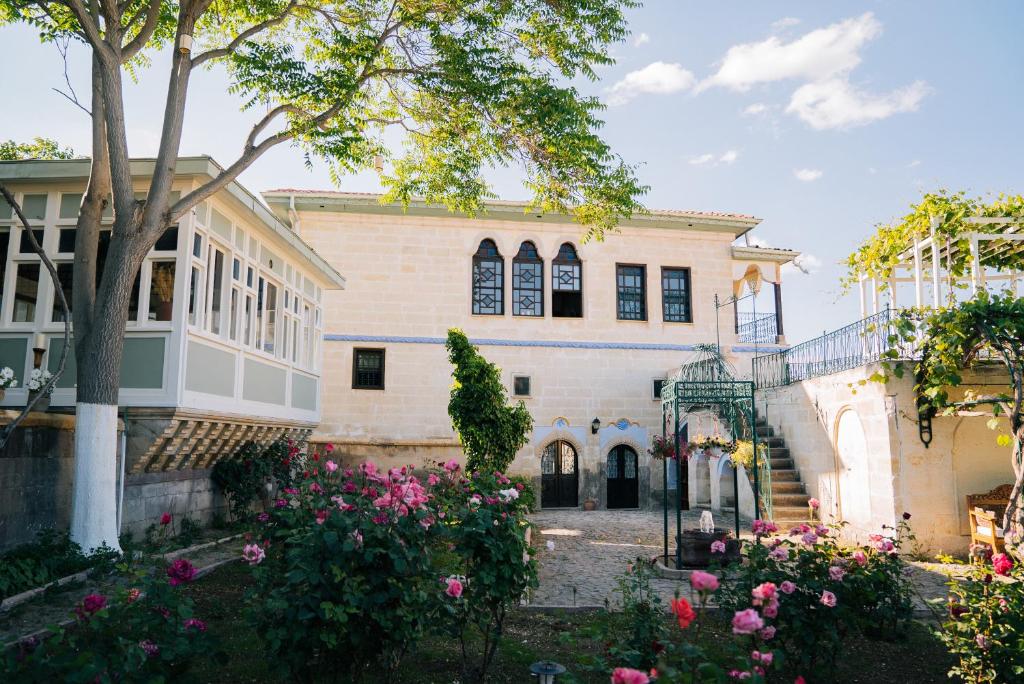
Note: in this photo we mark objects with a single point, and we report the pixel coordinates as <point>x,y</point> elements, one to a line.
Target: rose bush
<point>146,632</point>
<point>354,565</point>
<point>986,621</point>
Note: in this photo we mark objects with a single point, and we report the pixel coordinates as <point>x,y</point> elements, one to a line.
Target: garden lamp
<point>595,426</point>
<point>547,671</point>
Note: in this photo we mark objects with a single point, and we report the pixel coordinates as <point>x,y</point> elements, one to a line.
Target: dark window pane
<point>270,300</point>
<point>488,280</point>
<point>521,386</point>
<point>161,292</point>
<point>613,464</point>
<point>233,314</point>
<point>248,277</point>
<point>65,273</point>
<point>25,247</point>
<point>5,239</point>
<point>631,294</point>
<point>168,242</point>
<point>527,282</point>
<point>66,240</point>
<point>658,384</point>
<point>193,295</point>
<point>133,303</point>
<point>26,288</point>
<point>675,294</point>
<point>197,245</point>
<point>368,369</point>
<point>236,269</point>
<point>216,266</point>
<point>101,254</point>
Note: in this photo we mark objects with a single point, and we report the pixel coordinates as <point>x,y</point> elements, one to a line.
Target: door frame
<point>622,448</point>
<point>554,444</point>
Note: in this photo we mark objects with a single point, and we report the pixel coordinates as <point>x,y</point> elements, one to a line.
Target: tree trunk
<point>1013,520</point>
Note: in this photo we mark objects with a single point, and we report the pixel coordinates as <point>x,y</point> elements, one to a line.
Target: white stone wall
<point>409,281</point>
<point>872,482</point>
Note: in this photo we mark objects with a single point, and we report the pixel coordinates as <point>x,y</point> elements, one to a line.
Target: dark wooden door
<point>623,483</point>
<point>559,479</point>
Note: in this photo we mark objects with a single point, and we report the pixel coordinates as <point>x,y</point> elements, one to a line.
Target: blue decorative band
<point>559,344</point>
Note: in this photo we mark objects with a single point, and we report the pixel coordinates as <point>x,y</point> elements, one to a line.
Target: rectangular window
<point>197,245</point>
<point>161,292</point>
<point>295,340</point>
<point>168,242</point>
<point>527,288</point>
<point>216,266</point>
<point>631,292</point>
<point>233,314</point>
<point>26,289</point>
<point>566,290</point>
<point>247,321</point>
<point>488,286</point>
<point>270,308</point>
<point>5,238</point>
<point>368,369</point>
<point>307,337</point>
<point>260,294</point>
<point>25,246</point>
<point>675,295</point>
<point>656,387</point>
<point>193,295</point>
<point>236,269</point>
<point>521,385</point>
<point>65,273</point>
<point>248,276</point>
<point>66,240</point>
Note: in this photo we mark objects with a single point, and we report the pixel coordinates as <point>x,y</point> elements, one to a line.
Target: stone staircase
<point>789,498</point>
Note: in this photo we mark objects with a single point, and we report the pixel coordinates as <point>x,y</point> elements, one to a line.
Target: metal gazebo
<point>705,384</point>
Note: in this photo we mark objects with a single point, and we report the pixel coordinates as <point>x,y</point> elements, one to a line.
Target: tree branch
<point>145,33</point>
<point>244,36</point>
<point>46,389</point>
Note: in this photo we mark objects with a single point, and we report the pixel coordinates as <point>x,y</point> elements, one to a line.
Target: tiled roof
<point>681,213</point>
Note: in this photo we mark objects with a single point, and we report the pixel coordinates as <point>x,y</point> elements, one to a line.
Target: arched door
<point>559,479</point>
<point>623,483</point>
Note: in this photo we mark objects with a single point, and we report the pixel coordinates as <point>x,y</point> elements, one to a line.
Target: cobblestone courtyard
<point>592,548</point>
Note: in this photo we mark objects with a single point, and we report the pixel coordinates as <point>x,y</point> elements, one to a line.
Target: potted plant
<point>7,380</point>
<point>163,289</point>
<point>590,505</point>
<point>37,380</point>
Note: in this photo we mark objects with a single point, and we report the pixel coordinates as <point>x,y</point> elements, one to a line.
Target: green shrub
<point>146,632</point>
<point>527,493</point>
<point>244,477</point>
<point>489,429</point>
<point>52,556</point>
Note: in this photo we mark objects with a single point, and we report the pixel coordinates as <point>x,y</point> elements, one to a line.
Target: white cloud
<point>784,23</point>
<point>755,109</point>
<point>701,159</point>
<point>836,103</point>
<point>641,39</point>
<point>805,263</point>
<point>916,162</point>
<point>815,56</point>
<point>808,175</point>
<point>729,157</point>
<point>657,78</point>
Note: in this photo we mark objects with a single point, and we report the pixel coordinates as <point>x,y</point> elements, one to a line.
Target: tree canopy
<point>39,148</point>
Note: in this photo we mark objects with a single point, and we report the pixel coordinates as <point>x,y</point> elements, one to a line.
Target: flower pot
<point>164,311</point>
<point>42,404</point>
<point>590,505</point>
<point>696,547</point>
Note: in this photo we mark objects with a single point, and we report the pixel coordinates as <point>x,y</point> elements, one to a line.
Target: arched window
<point>527,282</point>
<point>488,280</point>
<point>567,283</point>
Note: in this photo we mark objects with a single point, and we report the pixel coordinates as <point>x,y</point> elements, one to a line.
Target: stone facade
<point>410,280</point>
<point>858,451</point>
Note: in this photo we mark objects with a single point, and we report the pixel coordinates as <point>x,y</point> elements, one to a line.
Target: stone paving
<point>592,548</point>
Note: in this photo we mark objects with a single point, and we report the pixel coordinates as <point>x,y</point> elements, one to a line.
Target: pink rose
<point>703,581</point>
<point>763,527</point>
<point>787,587</point>
<point>453,587</point>
<point>321,517</point>
<point>91,604</point>
<point>331,466</point>
<point>836,573</point>
<point>1002,564</point>
<point>860,557</point>
<point>433,479</point>
<point>763,592</point>
<point>810,539</point>
<point>626,675</point>
<point>718,547</point>
<point>779,553</point>
<point>180,572</point>
<point>828,599</point>
<point>253,554</point>
<point>767,634</point>
<point>814,503</point>
<point>746,622</point>
<point>772,609</point>
<point>165,519</point>
<point>451,466</point>
<point>196,624</point>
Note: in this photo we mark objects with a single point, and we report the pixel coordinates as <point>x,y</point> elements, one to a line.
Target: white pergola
<point>928,263</point>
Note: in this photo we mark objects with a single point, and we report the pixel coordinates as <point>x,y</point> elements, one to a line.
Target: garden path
<point>592,548</point>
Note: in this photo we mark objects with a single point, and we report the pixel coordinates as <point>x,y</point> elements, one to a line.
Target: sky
<point>823,119</point>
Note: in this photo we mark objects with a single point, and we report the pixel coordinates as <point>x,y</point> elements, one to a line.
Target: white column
<point>976,275</point>
<point>863,298</point>
<point>936,288</point>
<point>918,273</point>
<point>94,499</point>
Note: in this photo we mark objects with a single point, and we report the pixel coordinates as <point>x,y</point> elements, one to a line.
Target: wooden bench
<point>985,514</point>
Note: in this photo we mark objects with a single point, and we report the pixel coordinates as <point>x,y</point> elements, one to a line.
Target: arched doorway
<point>623,483</point>
<point>559,478</point>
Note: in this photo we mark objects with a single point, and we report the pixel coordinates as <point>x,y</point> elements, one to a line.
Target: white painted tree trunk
<point>94,502</point>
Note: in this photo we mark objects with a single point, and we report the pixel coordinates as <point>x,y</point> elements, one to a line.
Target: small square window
<point>197,245</point>
<point>368,369</point>
<point>168,241</point>
<point>656,386</point>
<point>521,385</point>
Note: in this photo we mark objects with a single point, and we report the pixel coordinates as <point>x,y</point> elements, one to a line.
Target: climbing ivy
<point>878,256</point>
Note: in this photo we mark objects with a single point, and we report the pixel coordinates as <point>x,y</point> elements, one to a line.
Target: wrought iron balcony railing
<point>756,329</point>
<point>855,345</point>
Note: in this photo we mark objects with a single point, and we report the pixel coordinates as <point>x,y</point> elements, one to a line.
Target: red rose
<point>1002,564</point>
<point>165,519</point>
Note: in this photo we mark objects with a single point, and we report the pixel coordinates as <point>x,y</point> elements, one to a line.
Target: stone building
<point>223,345</point>
<point>584,333</point>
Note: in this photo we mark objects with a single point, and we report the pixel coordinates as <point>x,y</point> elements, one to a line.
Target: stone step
<point>787,500</point>
<point>785,475</point>
<point>789,514</point>
<point>765,431</point>
<point>778,451</point>
<point>779,487</point>
<point>781,463</point>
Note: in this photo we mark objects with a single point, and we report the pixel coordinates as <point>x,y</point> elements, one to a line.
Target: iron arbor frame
<point>733,400</point>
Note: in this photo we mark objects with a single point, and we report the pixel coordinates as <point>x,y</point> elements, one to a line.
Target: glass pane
<point>101,255</point>
<point>247,321</point>
<point>233,315</point>
<point>133,302</point>
<point>34,207</point>
<point>295,340</point>
<point>630,283</point>
<point>369,367</point>
<point>197,245</point>
<point>488,286</point>
<point>236,269</point>
<point>568,459</point>
<point>248,277</point>
<point>630,463</point>
<point>5,238</point>
<point>193,296</point>
<point>69,204</point>
<point>26,289</point>
<point>270,307</point>
<point>307,337</point>
<point>675,293</point>
<point>25,246</point>
<point>527,288</point>
<point>168,242</point>
<point>216,266</point>
<point>613,465</point>
<point>66,240</point>
<point>547,460</point>
<point>65,273</point>
<point>161,292</point>
<point>259,313</point>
